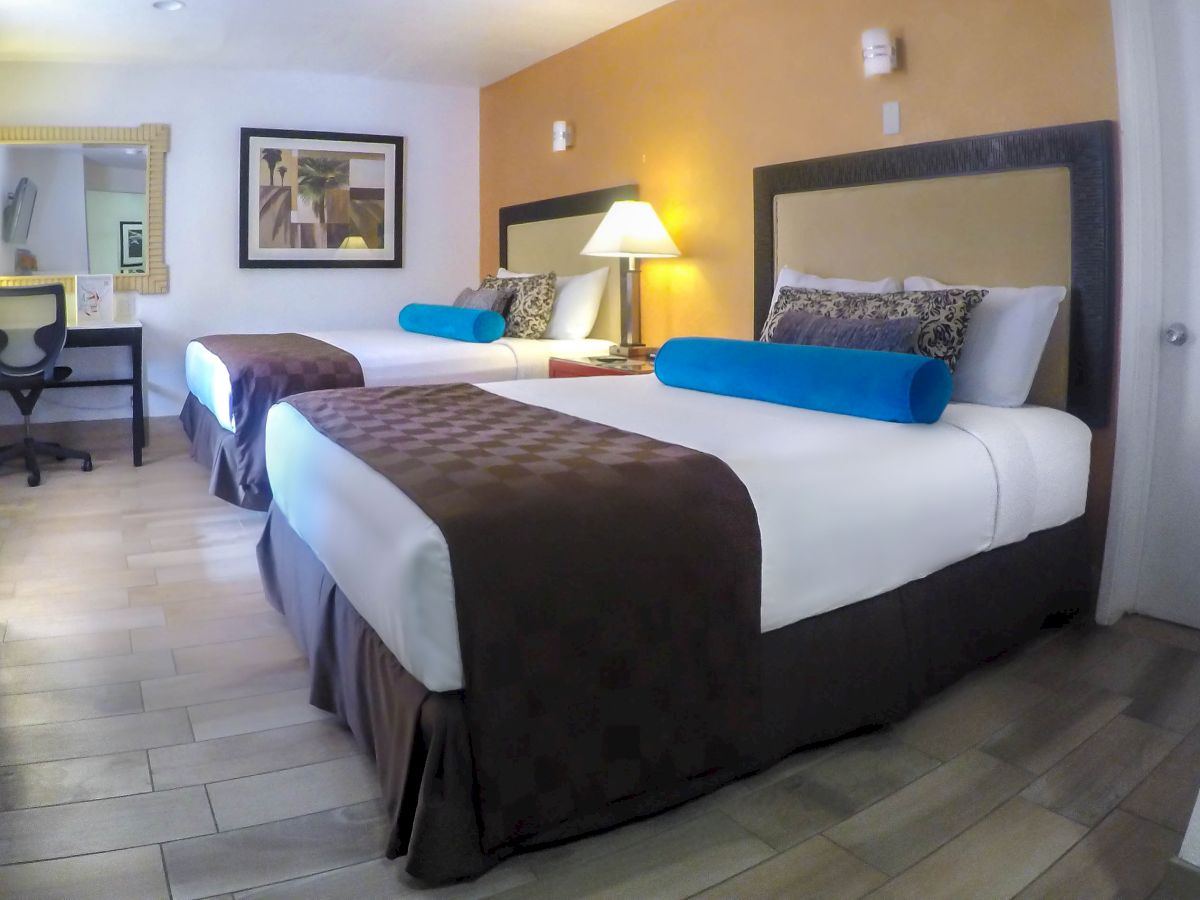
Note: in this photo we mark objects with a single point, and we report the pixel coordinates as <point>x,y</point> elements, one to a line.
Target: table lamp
<point>631,230</point>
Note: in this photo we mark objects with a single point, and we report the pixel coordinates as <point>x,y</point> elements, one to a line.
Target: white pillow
<point>1004,342</point>
<point>577,301</point>
<point>791,278</point>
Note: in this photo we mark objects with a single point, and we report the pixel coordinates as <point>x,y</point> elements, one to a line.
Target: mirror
<point>83,201</point>
<point>73,208</point>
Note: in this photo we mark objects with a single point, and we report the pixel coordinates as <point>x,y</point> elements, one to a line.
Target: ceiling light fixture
<point>169,5</point>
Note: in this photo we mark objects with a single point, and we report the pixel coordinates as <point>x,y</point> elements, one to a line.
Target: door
<point>1169,580</point>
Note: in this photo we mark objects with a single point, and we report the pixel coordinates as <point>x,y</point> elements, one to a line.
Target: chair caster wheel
<point>33,480</point>
<point>87,465</point>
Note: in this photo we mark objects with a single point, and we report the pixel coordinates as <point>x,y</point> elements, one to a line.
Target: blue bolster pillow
<point>479,326</point>
<point>893,387</point>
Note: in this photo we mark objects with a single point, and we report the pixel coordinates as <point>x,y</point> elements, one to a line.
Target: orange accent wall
<point>688,99</point>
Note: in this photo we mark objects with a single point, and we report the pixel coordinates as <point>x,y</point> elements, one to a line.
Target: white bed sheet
<point>848,508</point>
<point>394,356</point>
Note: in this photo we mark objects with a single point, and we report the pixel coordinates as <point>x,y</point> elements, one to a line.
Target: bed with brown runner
<point>452,557</point>
<point>233,379</point>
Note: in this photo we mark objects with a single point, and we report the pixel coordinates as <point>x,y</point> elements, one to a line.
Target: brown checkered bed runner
<point>607,588</point>
<point>265,368</point>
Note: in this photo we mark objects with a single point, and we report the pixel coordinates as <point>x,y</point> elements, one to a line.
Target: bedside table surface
<point>614,365</point>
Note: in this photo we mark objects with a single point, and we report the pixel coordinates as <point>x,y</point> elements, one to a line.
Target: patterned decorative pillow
<point>796,326</point>
<point>944,314</point>
<point>495,299</point>
<point>529,312</point>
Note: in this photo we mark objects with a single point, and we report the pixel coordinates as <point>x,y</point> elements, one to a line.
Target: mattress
<point>848,508</point>
<point>393,356</point>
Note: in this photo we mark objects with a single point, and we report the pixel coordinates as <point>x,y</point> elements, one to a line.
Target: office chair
<point>33,330</point>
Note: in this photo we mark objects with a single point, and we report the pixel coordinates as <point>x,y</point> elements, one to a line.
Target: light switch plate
<point>891,117</point>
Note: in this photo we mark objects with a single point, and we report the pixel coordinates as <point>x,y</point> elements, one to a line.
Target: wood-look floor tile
<point>221,759</point>
<point>1158,630</point>
<point>231,569</point>
<point>70,705</point>
<point>1124,858</point>
<point>1070,652</point>
<point>94,737</point>
<point>679,862</point>
<point>189,611</point>
<point>1168,795</point>
<point>273,648</point>
<point>98,825</point>
<point>968,713</point>
<point>1162,679</point>
<point>908,825</point>
<point>818,869</point>
<point>1091,780</point>
<point>74,780</point>
<point>225,684</point>
<point>133,874</point>
<point>276,851</point>
<point>992,860</point>
<point>285,794</point>
<point>83,672</point>
<point>1055,726</point>
<point>386,878</point>
<point>214,555</point>
<point>866,770</point>
<point>83,581</point>
<point>47,650</point>
<point>39,605</point>
<point>202,589</point>
<point>258,713</point>
<point>23,629</point>
<point>262,623</point>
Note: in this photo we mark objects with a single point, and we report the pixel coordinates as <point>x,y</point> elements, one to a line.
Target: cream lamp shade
<point>353,242</point>
<point>631,229</point>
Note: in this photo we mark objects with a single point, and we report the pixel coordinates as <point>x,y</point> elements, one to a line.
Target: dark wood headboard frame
<point>1085,149</point>
<point>584,204</point>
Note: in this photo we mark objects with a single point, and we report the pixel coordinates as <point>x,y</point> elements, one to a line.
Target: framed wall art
<point>321,199</point>
<point>133,254</point>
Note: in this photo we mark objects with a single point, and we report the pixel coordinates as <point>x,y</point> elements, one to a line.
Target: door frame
<point>1141,309</point>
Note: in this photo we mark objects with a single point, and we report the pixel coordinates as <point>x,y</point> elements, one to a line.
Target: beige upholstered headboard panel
<point>1008,228</point>
<point>553,245</point>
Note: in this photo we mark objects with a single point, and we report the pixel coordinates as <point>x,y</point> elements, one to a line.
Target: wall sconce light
<point>564,136</point>
<point>878,51</point>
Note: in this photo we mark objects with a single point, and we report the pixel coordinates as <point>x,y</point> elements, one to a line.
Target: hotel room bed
<point>520,686</point>
<point>541,236</point>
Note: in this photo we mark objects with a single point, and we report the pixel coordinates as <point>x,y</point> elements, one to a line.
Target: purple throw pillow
<point>495,299</point>
<point>796,326</point>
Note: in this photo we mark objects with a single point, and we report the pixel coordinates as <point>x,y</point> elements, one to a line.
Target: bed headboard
<point>1022,208</point>
<point>547,235</point>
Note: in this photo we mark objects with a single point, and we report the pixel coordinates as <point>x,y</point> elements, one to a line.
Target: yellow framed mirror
<point>148,274</point>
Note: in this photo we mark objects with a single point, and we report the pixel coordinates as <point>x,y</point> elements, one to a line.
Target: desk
<point>115,334</point>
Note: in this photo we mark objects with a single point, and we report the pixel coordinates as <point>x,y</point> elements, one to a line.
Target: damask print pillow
<point>944,315</point>
<point>530,310</point>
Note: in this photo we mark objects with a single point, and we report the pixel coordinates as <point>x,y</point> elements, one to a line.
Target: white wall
<point>58,229</point>
<point>209,293</point>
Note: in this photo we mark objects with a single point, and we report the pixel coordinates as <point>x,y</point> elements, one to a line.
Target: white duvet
<point>394,356</point>
<point>848,508</point>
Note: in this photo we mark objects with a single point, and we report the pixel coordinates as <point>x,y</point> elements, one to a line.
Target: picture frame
<point>133,246</point>
<point>320,199</point>
<point>94,299</point>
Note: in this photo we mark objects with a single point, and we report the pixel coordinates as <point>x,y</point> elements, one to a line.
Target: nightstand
<point>598,365</point>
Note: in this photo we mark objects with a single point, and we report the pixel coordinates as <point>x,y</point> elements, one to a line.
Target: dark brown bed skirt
<point>862,665</point>
<point>213,448</point>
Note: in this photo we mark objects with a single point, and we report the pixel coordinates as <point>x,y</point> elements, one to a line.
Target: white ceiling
<point>471,42</point>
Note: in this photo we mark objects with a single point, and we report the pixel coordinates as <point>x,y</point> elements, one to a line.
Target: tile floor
<point>156,741</point>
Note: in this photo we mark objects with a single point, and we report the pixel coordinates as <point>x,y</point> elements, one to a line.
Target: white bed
<point>394,357</point>
<point>848,508</point>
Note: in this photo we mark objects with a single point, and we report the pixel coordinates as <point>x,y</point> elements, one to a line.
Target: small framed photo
<point>132,244</point>
<point>94,298</point>
<point>320,199</point>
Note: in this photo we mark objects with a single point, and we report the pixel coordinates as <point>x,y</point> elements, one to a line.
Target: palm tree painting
<point>272,157</point>
<point>306,193</point>
<point>317,177</point>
